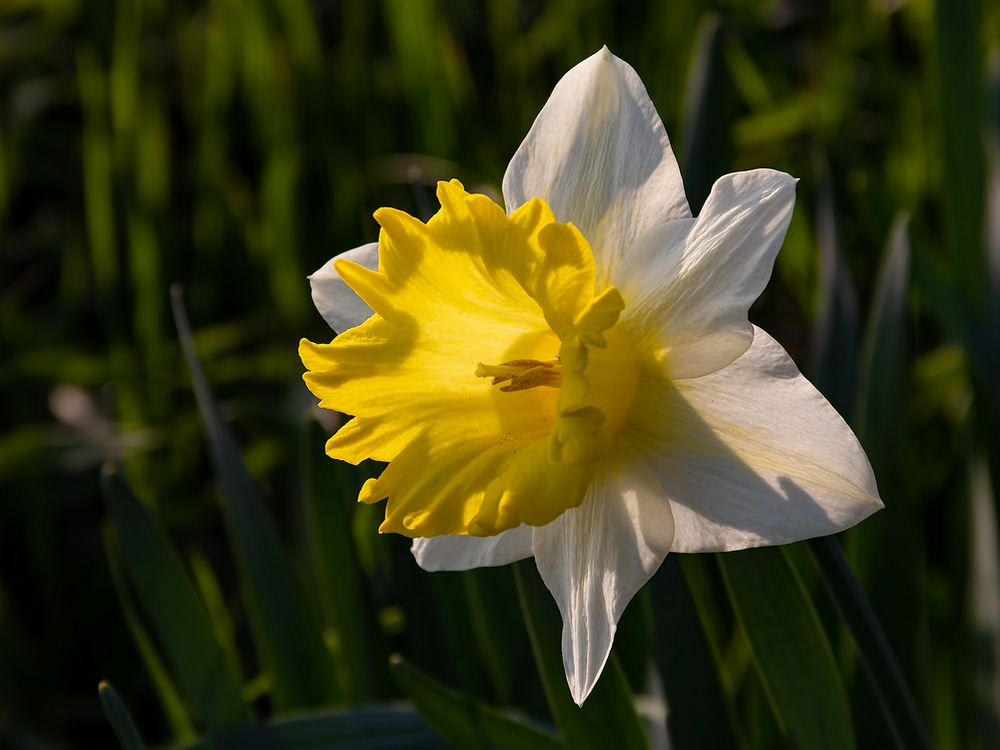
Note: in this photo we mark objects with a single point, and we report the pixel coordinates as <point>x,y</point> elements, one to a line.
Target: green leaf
<point>286,628</point>
<point>957,315</point>
<point>174,610</point>
<point>218,611</point>
<point>985,582</point>
<point>876,654</point>
<point>958,54</point>
<point>370,728</point>
<point>176,712</point>
<point>608,718</point>
<point>691,662</point>
<point>119,718</point>
<point>464,722</point>
<point>887,549</point>
<point>707,113</point>
<point>789,647</point>
<point>330,491</point>
<point>835,329</point>
<point>883,355</point>
<point>497,628</point>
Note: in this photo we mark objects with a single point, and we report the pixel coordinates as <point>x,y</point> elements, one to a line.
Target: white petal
<point>340,307</point>
<point>688,284</point>
<point>753,455</point>
<point>594,559</point>
<point>466,552</point>
<point>598,154</point>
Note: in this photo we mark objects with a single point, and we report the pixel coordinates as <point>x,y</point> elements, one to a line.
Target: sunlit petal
<point>688,284</point>
<point>754,455</point>
<point>599,155</point>
<point>594,559</point>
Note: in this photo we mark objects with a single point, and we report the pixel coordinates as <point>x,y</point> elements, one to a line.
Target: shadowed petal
<point>594,559</point>
<point>598,154</point>
<point>467,552</point>
<point>340,307</point>
<point>753,455</point>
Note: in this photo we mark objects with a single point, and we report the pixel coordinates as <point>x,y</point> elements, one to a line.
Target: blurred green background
<point>233,147</point>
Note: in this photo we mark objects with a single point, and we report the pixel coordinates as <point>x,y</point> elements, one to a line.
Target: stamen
<point>523,374</point>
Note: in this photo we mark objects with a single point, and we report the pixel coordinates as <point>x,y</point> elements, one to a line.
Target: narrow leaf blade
<point>174,610</point>
<point>119,718</point>
<point>789,647</point>
<point>285,627</point>
<point>329,492</point>
<point>464,722</point>
<point>369,728</point>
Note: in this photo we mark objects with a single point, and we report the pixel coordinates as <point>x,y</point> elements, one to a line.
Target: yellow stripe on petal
<point>473,377</point>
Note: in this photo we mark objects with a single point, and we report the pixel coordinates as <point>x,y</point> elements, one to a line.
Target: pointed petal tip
<point>580,691</point>
<point>599,155</point>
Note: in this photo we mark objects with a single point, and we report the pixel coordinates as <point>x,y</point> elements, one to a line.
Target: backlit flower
<point>575,379</point>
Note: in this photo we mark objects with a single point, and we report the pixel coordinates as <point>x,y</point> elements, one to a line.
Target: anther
<point>521,374</point>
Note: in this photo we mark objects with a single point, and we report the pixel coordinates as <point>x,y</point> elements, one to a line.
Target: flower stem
<point>876,656</point>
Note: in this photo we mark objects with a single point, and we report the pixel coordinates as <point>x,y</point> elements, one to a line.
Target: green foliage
<point>359,729</point>
<point>465,723</point>
<point>174,609</point>
<point>285,625</point>
<point>234,583</point>
<point>119,718</point>
<point>789,647</point>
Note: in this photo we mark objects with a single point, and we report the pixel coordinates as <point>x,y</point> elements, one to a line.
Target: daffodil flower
<point>575,379</point>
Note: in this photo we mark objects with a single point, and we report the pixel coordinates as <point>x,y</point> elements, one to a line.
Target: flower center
<point>613,374</point>
<point>466,457</point>
<point>521,374</point>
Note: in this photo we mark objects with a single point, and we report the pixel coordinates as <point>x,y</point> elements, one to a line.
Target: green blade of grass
<point>177,714</point>
<point>496,626</point>
<point>789,647</point>
<point>286,628</point>
<point>119,718</point>
<point>174,610</point>
<point>330,495</point>
<point>959,73</point>
<point>835,331</point>
<point>984,560</point>
<point>691,665</point>
<point>218,611</point>
<point>883,354</point>
<point>608,718</point>
<point>369,728</point>
<point>706,114</point>
<point>873,648</point>
<point>464,722</point>
<point>959,318</point>
<point>888,548</point>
